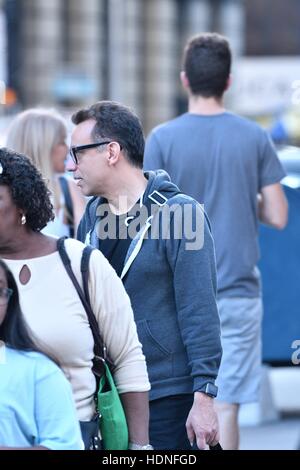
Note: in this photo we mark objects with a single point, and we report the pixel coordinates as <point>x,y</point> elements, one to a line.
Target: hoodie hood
<point>159,180</point>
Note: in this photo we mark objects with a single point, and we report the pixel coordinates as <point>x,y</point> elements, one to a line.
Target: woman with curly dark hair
<point>51,305</point>
<point>37,384</point>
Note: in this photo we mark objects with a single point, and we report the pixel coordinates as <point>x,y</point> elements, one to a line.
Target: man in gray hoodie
<point>159,242</point>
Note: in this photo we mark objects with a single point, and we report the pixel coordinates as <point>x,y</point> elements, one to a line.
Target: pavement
<point>274,422</point>
<point>282,434</point>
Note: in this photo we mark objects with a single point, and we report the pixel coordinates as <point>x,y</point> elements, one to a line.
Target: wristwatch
<point>209,389</point>
<point>133,446</point>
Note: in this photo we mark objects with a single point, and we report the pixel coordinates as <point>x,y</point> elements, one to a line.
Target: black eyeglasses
<point>5,294</point>
<point>79,148</point>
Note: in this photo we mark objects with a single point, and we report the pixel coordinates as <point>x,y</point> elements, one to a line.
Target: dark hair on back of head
<point>28,189</point>
<point>207,63</point>
<point>116,122</point>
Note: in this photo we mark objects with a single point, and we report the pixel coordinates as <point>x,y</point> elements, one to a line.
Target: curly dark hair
<point>116,122</point>
<point>28,189</point>
<point>207,63</point>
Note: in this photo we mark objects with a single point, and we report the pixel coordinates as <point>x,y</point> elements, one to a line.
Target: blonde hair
<point>35,132</point>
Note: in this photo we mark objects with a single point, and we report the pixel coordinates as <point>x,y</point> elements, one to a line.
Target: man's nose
<point>69,164</point>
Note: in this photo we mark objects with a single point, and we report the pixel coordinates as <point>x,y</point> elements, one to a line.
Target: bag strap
<point>84,268</point>
<point>99,348</point>
<point>67,195</point>
<point>68,201</point>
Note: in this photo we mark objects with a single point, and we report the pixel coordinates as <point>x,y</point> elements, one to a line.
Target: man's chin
<point>83,188</point>
<point>86,192</point>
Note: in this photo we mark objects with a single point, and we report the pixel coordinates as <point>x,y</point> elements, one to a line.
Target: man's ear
<point>184,80</point>
<point>114,150</point>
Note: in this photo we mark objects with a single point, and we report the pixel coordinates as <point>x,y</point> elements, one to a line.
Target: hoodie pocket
<point>159,358</point>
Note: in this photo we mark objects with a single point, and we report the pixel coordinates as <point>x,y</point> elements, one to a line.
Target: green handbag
<point>112,422</point>
<point>113,425</point>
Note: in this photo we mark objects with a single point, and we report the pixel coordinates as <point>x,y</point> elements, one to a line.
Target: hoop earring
<point>23,219</point>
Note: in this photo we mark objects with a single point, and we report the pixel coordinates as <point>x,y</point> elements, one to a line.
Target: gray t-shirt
<point>223,161</point>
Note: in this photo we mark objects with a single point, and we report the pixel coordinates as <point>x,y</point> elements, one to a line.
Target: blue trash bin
<point>280,270</point>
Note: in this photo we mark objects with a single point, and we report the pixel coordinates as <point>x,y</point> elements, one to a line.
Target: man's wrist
<point>200,397</point>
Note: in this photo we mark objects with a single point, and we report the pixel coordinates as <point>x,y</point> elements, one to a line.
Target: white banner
<point>265,85</point>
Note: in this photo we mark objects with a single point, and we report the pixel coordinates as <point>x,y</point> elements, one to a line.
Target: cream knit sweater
<point>58,320</point>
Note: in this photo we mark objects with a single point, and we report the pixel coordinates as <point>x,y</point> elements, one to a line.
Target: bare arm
<point>273,206</point>
<point>136,407</point>
<point>79,203</point>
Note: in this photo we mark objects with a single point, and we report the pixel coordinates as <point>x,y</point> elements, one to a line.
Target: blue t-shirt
<point>36,403</point>
<point>222,161</point>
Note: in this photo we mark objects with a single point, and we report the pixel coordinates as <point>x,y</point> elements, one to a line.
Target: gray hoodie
<point>172,289</point>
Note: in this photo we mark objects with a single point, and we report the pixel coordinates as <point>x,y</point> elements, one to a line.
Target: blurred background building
<point>75,51</point>
<point>71,52</point>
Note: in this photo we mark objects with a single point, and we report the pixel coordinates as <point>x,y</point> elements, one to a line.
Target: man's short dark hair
<point>207,63</point>
<point>28,188</point>
<point>116,122</point>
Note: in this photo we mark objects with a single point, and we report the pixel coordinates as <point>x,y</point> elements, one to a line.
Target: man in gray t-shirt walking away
<point>229,164</point>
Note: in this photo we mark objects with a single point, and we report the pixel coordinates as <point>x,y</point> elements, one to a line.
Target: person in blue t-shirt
<point>37,411</point>
<point>229,164</point>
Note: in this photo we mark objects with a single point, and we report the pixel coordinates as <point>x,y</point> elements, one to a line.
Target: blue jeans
<point>168,416</point>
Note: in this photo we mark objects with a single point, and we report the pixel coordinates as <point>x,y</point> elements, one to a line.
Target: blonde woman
<point>41,135</point>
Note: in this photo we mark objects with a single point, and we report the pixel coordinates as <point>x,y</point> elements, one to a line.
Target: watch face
<point>210,389</point>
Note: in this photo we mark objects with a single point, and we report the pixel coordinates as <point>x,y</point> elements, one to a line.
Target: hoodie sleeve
<point>190,252</point>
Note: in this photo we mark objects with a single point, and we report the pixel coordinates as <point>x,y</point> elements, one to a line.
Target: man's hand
<point>202,423</point>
